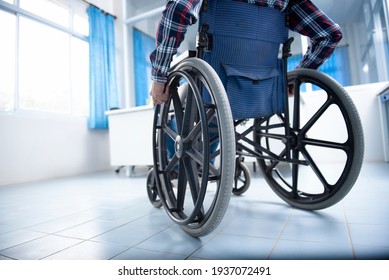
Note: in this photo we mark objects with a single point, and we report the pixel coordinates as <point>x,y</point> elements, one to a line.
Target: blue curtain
<point>143,46</point>
<point>102,74</point>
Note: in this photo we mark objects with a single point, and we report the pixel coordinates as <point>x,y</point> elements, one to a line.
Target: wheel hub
<point>178,146</point>
<point>294,140</point>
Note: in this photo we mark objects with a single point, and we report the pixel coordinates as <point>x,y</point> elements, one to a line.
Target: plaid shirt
<point>304,18</point>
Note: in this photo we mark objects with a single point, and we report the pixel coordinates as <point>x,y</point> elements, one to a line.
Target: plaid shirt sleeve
<point>177,16</point>
<point>306,19</point>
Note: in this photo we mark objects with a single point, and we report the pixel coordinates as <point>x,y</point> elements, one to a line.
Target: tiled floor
<point>108,216</point>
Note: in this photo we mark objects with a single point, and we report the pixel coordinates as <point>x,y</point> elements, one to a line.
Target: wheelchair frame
<point>198,197</point>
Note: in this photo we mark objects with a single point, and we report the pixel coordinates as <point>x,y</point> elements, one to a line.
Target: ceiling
<point>340,11</point>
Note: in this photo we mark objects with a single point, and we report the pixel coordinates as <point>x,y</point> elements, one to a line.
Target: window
<point>80,24</point>
<point>79,76</point>
<point>337,66</point>
<point>54,11</point>
<point>7,58</point>
<point>43,69</point>
<point>45,56</point>
<point>385,32</point>
<point>375,50</point>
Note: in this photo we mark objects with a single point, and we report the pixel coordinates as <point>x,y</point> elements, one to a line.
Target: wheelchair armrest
<point>186,54</point>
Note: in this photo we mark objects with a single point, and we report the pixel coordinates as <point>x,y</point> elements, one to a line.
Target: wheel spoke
<point>196,156</point>
<point>296,110</point>
<point>188,117</point>
<point>181,187</point>
<point>327,144</point>
<point>178,110</point>
<point>316,170</point>
<point>170,132</point>
<point>171,164</point>
<point>295,174</point>
<point>191,171</point>
<point>192,176</point>
<point>317,115</point>
<point>194,133</point>
<point>274,163</point>
<point>296,127</point>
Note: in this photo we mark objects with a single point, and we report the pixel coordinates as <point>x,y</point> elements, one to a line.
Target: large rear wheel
<point>325,156</point>
<point>194,148</point>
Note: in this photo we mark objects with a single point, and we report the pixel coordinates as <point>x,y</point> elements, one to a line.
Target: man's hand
<point>159,93</point>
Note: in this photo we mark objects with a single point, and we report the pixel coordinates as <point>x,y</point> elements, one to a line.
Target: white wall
<point>366,100</point>
<point>37,146</point>
<point>108,6</point>
<point>367,104</point>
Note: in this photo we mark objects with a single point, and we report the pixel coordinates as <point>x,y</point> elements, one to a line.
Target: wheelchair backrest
<point>244,49</point>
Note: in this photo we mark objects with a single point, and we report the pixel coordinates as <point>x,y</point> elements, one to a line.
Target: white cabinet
<point>130,136</point>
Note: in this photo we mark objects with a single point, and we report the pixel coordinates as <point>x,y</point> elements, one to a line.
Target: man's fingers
<point>159,93</point>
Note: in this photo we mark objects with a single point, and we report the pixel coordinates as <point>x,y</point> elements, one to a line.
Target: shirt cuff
<point>158,77</point>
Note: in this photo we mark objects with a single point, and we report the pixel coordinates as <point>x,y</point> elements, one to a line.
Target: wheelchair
<point>289,141</point>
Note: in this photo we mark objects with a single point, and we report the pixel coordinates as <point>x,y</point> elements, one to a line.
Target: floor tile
<point>90,229</point>
<point>59,224</point>
<point>125,215</point>
<point>67,221</point>
<point>142,254</point>
<point>304,250</point>
<point>371,252</point>
<point>266,227</point>
<point>174,241</point>
<point>370,235</point>
<point>4,258</point>
<point>233,247</point>
<point>316,230</point>
<point>128,235</point>
<point>16,237</point>
<point>333,214</point>
<point>365,217</point>
<point>39,248</point>
<point>88,250</point>
<point>6,228</point>
<point>29,220</point>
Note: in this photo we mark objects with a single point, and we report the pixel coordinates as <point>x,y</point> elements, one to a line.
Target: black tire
<point>203,178</point>
<point>242,178</point>
<point>309,139</point>
<point>152,192</point>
